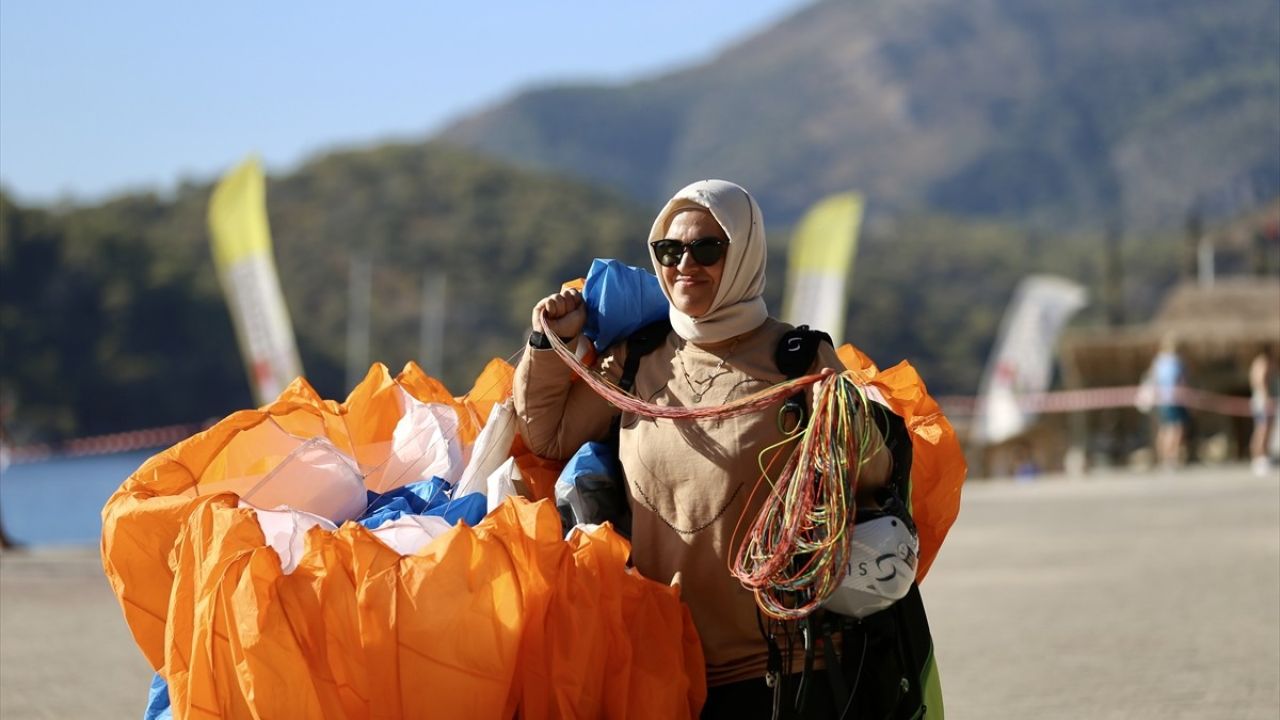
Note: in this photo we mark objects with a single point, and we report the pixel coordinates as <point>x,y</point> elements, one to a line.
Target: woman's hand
<point>565,311</point>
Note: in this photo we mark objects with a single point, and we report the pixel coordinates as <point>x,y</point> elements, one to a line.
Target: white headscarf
<point>738,306</point>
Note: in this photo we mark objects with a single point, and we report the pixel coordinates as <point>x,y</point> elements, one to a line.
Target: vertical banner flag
<point>247,270</point>
<point>1021,361</point>
<point>820,262</point>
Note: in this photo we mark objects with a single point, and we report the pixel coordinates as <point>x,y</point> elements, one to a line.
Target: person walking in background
<point>1261,373</point>
<point>1168,378</point>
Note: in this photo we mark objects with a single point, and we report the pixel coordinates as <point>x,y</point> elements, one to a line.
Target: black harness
<point>876,671</point>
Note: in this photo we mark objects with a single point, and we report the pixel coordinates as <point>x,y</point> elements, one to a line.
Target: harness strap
<point>835,670</point>
<point>641,343</point>
<point>773,672</point>
<point>802,695</point>
<point>794,355</point>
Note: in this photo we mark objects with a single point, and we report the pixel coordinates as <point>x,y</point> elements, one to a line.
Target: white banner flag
<point>1021,361</point>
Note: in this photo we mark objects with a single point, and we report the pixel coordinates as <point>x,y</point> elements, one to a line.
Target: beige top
<point>689,481</point>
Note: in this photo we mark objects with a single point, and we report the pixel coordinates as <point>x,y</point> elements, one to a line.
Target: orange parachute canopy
<point>502,618</point>
<point>937,464</point>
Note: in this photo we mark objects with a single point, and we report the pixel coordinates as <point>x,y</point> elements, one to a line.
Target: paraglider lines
<point>795,554</point>
<point>627,402</point>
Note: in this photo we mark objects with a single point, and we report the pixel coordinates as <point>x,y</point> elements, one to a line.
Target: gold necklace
<point>700,387</point>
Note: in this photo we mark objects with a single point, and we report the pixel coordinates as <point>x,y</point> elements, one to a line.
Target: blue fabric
<point>1166,373</point>
<point>470,509</point>
<point>158,701</point>
<point>414,498</point>
<point>620,299</point>
<point>590,489</point>
<point>591,458</point>
<point>427,497</point>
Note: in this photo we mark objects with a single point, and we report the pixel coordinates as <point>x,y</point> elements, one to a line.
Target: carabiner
<point>794,404</point>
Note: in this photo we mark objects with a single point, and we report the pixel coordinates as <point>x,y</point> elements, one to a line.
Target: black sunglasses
<point>705,251</point>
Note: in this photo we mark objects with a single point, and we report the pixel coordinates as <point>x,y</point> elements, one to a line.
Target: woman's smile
<point>693,286</point>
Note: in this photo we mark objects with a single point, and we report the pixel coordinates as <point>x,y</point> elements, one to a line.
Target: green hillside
<point>111,317</point>
<point>1047,112</point>
<point>993,138</point>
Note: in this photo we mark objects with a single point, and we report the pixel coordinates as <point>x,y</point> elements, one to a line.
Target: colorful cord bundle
<point>630,403</point>
<point>795,553</point>
<point>794,556</point>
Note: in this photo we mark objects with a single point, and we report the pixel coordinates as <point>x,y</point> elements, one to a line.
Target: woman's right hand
<point>566,313</point>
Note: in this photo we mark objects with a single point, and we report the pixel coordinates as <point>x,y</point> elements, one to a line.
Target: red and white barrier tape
<point>1061,401</point>
<point>104,444</point>
<point>1103,398</point>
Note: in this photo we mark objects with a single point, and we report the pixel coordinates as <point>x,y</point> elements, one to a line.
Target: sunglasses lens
<point>668,252</point>
<point>706,252</point>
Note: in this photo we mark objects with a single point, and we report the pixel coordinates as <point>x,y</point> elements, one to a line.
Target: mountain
<point>993,137</point>
<point>1046,112</point>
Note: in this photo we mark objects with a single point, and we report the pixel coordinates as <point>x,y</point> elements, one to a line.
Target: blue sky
<point>100,98</point>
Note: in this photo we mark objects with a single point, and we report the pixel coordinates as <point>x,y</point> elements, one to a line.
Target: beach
<point>1114,596</point>
<point>65,651</point>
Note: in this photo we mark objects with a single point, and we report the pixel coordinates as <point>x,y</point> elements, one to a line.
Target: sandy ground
<point>1153,596</point>
<point>1114,597</point>
<point>65,651</point>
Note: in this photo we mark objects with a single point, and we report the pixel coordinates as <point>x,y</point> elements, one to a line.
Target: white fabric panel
<point>285,532</point>
<point>408,534</point>
<point>316,478</point>
<point>492,448</point>
<point>502,483</point>
<point>424,444</point>
<point>1021,361</point>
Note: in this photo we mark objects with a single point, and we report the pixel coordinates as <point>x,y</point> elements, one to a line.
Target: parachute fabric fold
<point>503,483</point>
<point>286,532</point>
<point>315,478</point>
<point>412,619</point>
<point>938,467</point>
<point>479,623</point>
<point>539,473</point>
<point>492,448</point>
<point>492,386</point>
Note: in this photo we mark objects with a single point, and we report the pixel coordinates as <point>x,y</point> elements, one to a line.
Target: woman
<point>690,482</point>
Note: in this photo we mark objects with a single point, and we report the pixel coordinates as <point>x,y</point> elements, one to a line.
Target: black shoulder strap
<point>797,350</point>
<point>641,343</point>
<point>898,442</point>
<point>794,356</point>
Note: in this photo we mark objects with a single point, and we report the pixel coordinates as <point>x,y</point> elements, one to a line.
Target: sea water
<point>58,501</point>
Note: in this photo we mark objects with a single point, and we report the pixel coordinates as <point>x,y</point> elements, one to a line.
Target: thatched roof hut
<point>1218,329</point>
<point>1220,317</point>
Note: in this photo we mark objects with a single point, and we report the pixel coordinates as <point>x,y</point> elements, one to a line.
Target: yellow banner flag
<point>242,254</point>
<point>820,263</point>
